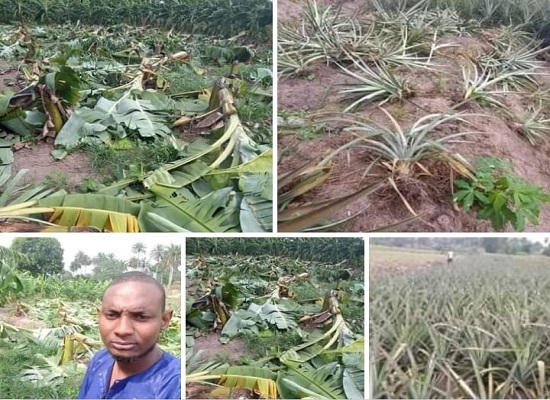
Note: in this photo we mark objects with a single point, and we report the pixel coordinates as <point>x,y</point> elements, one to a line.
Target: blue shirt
<point>162,380</point>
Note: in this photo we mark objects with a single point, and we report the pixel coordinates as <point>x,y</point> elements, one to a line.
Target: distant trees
<point>44,256</point>
<point>503,245</point>
<point>80,260</point>
<point>107,266</point>
<point>162,262</point>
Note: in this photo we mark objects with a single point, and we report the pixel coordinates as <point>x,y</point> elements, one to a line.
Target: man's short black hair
<point>138,276</point>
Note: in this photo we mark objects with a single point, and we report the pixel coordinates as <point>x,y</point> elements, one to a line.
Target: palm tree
<point>80,260</point>
<point>171,260</point>
<point>157,254</point>
<point>139,248</point>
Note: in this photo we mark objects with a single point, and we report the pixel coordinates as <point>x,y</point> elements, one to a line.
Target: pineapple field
<point>473,328</point>
<point>414,116</point>
<point>275,318</point>
<point>136,116</point>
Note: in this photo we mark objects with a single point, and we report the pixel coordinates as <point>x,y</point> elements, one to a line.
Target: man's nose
<point>124,326</point>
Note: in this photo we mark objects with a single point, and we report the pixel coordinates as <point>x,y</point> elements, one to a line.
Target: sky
<point>93,243</point>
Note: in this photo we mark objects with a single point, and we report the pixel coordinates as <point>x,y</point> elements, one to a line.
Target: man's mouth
<point>123,345</point>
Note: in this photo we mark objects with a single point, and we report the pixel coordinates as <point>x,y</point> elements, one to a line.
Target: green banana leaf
<point>302,380</point>
<point>100,211</point>
<point>215,212</point>
<point>253,378</point>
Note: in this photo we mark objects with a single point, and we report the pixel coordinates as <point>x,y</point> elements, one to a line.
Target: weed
<point>500,196</point>
<point>57,180</point>
<point>268,342</point>
<point>311,131</point>
<point>399,111</point>
<point>440,84</point>
<point>142,156</point>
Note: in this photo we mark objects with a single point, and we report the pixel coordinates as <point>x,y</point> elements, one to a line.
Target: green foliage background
<point>328,250</point>
<point>44,255</point>
<point>213,17</point>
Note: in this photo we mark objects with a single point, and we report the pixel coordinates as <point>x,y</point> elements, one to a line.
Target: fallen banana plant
<point>194,193</point>
<point>258,380</point>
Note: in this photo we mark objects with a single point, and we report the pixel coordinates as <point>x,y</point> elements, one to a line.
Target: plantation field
<point>475,329</point>
<point>142,124</point>
<point>414,116</point>
<point>48,336</point>
<point>266,326</point>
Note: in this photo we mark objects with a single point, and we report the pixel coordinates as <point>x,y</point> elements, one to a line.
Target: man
<point>132,365</point>
<point>450,256</point>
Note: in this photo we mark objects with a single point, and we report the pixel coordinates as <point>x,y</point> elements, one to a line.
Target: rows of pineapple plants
<point>302,322</point>
<point>373,51</point>
<point>475,329</point>
<point>179,123</point>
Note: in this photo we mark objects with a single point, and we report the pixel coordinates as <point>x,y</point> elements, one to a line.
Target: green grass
<point>113,164</point>
<point>270,342</point>
<point>58,180</point>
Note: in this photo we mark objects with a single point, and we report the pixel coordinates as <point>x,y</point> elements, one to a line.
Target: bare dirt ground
<point>429,196</point>
<point>211,347</point>
<point>36,157</point>
<point>389,260</point>
<point>397,261</point>
<point>18,319</point>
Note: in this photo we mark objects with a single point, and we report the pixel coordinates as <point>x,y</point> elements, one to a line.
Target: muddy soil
<point>430,196</point>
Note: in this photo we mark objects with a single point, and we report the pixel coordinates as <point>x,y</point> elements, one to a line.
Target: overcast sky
<point>93,243</point>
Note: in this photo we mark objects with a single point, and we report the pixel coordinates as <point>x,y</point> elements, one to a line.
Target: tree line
<point>44,256</point>
<point>328,250</point>
<point>520,245</point>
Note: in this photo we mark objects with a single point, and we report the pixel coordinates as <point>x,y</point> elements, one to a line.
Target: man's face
<point>131,318</point>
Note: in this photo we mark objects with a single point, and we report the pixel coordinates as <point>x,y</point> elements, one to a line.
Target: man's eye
<point>110,315</point>
<point>142,317</point>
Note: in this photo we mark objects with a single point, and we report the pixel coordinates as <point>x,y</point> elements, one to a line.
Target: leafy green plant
<point>500,196</point>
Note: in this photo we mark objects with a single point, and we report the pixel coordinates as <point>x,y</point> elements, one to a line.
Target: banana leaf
<point>254,378</point>
<point>6,160</point>
<point>302,380</point>
<point>100,211</point>
<point>215,212</point>
<point>352,381</point>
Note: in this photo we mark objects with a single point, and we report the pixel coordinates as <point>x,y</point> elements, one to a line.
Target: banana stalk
<point>68,350</point>
<point>52,109</point>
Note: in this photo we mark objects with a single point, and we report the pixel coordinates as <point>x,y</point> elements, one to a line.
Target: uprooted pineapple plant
<point>173,129</point>
<point>428,116</point>
<point>275,318</point>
